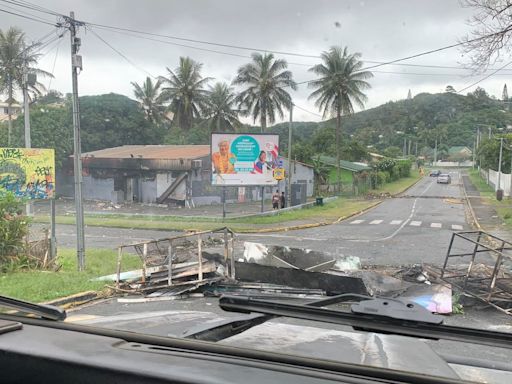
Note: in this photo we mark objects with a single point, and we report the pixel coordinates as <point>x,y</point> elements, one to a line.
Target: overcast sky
<point>379,30</point>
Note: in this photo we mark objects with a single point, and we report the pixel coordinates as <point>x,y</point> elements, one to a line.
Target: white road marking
<point>396,222</point>
<point>376,222</point>
<point>436,225</point>
<point>413,209</point>
<point>457,227</point>
<point>299,238</point>
<point>356,222</point>
<point>415,223</point>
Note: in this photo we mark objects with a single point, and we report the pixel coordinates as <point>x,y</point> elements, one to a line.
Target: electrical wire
<point>485,77</point>
<point>119,53</point>
<point>53,66</point>
<point>34,7</point>
<point>29,18</point>
<point>305,110</point>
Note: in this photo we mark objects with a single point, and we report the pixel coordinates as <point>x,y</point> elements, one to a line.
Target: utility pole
<point>76,63</point>
<point>435,153</point>
<point>26,115</point>
<point>499,164</point>
<point>404,150</point>
<point>289,176</point>
<point>490,132</point>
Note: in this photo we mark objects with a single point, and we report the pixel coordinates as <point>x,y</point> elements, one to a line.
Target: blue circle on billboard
<point>245,148</point>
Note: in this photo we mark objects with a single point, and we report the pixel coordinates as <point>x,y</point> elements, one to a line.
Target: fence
<point>491,177</point>
<point>455,164</point>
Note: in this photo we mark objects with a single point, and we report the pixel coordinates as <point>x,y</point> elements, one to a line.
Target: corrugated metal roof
<point>156,152</point>
<point>348,165</point>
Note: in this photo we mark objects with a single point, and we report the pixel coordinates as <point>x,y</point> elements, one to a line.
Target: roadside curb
<point>471,210</point>
<point>314,225</point>
<point>409,187</point>
<point>74,300</point>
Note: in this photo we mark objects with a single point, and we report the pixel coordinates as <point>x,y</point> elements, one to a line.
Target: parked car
<point>444,178</point>
<point>435,173</point>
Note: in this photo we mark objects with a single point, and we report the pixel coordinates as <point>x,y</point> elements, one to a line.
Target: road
<point>415,227</point>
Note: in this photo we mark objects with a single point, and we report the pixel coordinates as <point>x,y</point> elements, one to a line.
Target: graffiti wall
<point>28,172</point>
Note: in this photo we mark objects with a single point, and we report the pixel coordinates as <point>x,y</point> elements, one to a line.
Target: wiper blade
<point>368,320</point>
<point>44,311</point>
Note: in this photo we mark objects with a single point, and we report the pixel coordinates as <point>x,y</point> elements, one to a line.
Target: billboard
<point>28,172</point>
<point>244,159</point>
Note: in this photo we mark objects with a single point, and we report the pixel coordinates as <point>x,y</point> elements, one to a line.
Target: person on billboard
<point>223,160</point>
<point>261,165</point>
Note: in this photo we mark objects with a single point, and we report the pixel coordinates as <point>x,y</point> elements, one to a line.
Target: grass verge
<point>318,214</point>
<point>39,286</point>
<point>503,207</point>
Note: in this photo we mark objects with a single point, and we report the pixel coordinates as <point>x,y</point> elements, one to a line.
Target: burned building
<point>144,173</point>
<point>164,174</point>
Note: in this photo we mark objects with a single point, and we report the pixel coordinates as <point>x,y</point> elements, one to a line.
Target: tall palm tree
<point>17,58</point>
<point>184,89</point>
<point>266,80</point>
<point>151,99</point>
<point>221,109</point>
<point>340,85</point>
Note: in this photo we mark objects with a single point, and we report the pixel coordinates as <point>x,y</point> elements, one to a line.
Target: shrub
<point>13,227</point>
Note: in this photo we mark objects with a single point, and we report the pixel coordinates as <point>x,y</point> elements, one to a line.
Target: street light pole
<point>289,187</point>
<point>499,164</point>
<point>26,113</point>
<point>76,63</point>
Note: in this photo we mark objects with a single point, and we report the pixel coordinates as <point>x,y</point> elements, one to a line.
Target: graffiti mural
<point>28,172</point>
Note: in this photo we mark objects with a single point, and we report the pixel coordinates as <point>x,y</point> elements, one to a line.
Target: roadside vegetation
<point>44,285</point>
<point>329,212</point>
<point>503,207</point>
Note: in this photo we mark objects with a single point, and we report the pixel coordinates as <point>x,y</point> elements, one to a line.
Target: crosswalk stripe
<point>436,225</point>
<point>396,222</point>
<point>457,227</point>
<point>376,221</point>
<point>415,223</point>
<point>356,222</point>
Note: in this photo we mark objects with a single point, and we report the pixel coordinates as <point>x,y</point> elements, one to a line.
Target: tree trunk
<point>338,133</point>
<point>9,122</point>
<point>263,118</point>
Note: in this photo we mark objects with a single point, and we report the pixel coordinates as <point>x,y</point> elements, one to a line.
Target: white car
<point>444,178</point>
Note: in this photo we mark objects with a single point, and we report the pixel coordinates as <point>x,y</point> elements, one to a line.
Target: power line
<point>28,17</point>
<point>53,66</point>
<point>119,53</point>
<point>34,7</point>
<point>485,77</point>
<point>305,110</point>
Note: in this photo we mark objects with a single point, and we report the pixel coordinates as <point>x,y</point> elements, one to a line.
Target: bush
<point>13,227</point>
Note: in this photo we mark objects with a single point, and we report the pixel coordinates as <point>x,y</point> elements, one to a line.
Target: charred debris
<point>211,263</point>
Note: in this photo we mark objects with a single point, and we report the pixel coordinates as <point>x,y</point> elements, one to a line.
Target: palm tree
<point>17,59</point>
<point>184,89</point>
<point>339,86</point>
<point>220,109</point>
<point>265,79</point>
<point>151,100</point>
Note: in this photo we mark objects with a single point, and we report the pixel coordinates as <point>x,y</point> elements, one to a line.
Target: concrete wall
<point>98,189</point>
<point>504,181</point>
<point>301,173</point>
<point>467,163</point>
<point>148,190</point>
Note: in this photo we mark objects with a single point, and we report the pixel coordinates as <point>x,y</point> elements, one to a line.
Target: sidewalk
<point>67,206</point>
<point>485,214</point>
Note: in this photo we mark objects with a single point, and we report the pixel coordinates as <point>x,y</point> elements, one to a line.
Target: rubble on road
<point>213,263</point>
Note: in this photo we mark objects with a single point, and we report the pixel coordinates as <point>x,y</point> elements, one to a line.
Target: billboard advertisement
<point>28,172</point>
<point>244,158</point>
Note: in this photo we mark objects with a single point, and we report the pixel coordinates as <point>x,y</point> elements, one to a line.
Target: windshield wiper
<point>390,316</point>
<point>44,311</point>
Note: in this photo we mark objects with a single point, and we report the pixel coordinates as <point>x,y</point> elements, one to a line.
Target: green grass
<point>503,207</point>
<point>39,286</point>
<point>327,213</point>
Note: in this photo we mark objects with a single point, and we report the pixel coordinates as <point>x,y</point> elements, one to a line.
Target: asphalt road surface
<point>413,228</point>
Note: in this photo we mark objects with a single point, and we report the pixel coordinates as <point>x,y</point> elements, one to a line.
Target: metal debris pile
<point>213,263</point>
<point>482,268</point>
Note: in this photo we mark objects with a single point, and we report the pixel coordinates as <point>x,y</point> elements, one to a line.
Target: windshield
<point>156,156</point>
